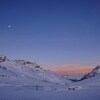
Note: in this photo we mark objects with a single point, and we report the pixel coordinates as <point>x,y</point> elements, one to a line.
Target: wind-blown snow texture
<point>25,80</point>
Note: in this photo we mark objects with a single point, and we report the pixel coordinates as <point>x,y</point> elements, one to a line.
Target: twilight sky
<point>51,32</point>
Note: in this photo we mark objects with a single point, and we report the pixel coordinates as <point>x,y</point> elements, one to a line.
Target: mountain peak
<point>97,67</point>
<point>3,58</point>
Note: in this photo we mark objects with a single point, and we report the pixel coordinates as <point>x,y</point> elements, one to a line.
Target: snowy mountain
<point>93,73</point>
<point>26,72</point>
<point>25,80</point>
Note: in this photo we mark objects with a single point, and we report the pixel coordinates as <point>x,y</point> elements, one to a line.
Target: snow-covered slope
<point>22,79</point>
<point>93,73</point>
<point>25,72</point>
<point>90,80</point>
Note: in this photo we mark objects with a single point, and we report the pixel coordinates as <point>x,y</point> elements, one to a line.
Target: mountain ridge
<point>18,70</point>
<point>93,73</point>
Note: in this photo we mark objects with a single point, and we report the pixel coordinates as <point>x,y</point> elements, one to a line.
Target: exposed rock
<point>3,58</point>
<point>93,73</point>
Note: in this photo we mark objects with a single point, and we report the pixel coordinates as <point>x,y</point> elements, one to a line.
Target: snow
<point>25,72</point>
<point>93,73</point>
<point>24,80</point>
<point>26,93</point>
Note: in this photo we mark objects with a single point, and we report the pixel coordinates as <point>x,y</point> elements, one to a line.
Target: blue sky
<point>51,32</point>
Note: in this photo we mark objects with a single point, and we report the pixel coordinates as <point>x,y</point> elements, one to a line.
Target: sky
<point>54,33</point>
